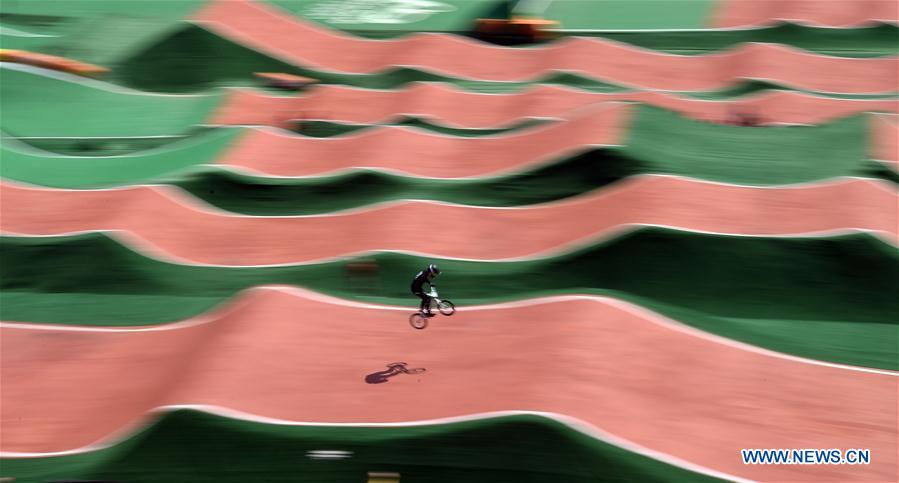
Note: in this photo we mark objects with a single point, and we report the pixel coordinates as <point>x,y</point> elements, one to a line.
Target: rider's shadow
<point>393,369</point>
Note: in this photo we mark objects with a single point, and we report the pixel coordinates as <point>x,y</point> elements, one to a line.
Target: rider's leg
<point>425,303</point>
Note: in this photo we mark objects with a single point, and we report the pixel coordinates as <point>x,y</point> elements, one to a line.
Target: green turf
<point>321,129</point>
<point>658,142</point>
<point>195,59</point>
<point>99,146</point>
<point>97,31</point>
<point>23,42</point>
<point>42,168</point>
<point>172,9</point>
<point>714,151</point>
<point>360,17</point>
<point>187,445</point>
<point>40,105</point>
<point>739,287</point>
<point>280,196</point>
<point>109,40</point>
<point>575,176</point>
<point>54,27</point>
<point>872,41</point>
<point>84,20</point>
<point>49,34</point>
<point>672,26</point>
<point>749,87</point>
<point>384,19</point>
<point>111,145</point>
<point>45,25</point>
<point>106,40</point>
<point>626,14</point>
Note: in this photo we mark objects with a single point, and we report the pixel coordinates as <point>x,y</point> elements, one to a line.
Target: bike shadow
<point>393,369</point>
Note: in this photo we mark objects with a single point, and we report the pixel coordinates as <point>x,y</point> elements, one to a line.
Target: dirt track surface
<point>748,13</point>
<point>166,225</point>
<point>276,353</point>
<point>454,107</point>
<point>282,35</point>
<point>426,154</point>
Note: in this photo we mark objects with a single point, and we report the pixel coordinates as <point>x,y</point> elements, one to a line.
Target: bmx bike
<point>419,320</point>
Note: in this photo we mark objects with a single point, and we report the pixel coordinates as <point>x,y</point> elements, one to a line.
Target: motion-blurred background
<point>668,227</point>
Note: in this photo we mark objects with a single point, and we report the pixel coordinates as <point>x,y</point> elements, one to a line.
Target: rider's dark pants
<point>425,301</point>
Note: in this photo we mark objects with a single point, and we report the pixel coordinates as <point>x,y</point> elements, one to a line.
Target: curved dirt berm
<point>162,221</point>
<point>426,154</point>
<point>453,107</point>
<point>282,353</point>
<point>885,139</point>
<point>836,13</point>
<point>277,33</point>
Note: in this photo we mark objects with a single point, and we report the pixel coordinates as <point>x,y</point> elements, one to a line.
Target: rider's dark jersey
<point>421,278</point>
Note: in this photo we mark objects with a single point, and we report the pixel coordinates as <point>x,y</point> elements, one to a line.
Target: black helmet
<point>433,269</point>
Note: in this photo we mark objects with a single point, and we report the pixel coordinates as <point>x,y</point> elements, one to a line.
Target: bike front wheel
<point>418,321</point>
<point>446,307</point>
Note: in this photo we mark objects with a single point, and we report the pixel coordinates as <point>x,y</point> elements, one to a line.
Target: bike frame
<point>435,298</point>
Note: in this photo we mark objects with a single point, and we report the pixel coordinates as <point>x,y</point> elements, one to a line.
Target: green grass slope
<point>871,41</point>
<point>658,141</point>
<point>187,445</point>
<point>593,170</point>
<point>196,59</point>
<point>37,105</point>
<point>675,27</point>
<point>324,129</point>
<point>262,196</point>
<point>824,298</point>
<point>790,154</point>
<point>48,169</point>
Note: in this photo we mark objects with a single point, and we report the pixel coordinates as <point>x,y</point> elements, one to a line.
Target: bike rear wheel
<point>446,307</point>
<point>418,321</point>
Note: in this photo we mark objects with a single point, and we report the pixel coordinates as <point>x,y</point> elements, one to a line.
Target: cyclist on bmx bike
<point>427,276</point>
